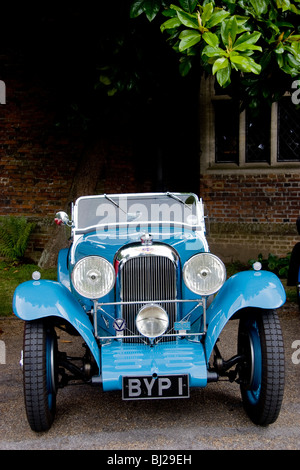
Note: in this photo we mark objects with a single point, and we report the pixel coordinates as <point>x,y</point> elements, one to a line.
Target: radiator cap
<point>147,239</point>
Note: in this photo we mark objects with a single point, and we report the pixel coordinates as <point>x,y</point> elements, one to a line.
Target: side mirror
<point>61,218</point>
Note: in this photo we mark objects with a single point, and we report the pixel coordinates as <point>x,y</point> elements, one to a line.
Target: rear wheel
<point>40,374</point>
<point>262,370</point>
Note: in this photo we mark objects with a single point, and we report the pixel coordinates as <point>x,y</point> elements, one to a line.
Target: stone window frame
<point>207,138</point>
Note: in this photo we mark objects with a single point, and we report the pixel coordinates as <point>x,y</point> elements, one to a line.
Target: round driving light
<point>204,274</point>
<point>93,277</point>
<point>152,321</point>
<point>36,275</point>
<point>257,266</point>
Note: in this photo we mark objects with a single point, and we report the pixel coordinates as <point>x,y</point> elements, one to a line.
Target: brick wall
<point>264,198</point>
<point>251,213</point>
<point>34,178</point>
<point>38,161</point>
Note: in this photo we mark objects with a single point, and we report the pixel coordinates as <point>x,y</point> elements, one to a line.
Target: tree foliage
<point>253,44</point>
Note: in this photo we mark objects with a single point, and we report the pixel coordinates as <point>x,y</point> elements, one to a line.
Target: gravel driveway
<point>87,418</point>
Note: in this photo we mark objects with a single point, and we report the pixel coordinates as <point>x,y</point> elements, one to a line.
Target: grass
<point>291,292</point>
<point>12,274</point>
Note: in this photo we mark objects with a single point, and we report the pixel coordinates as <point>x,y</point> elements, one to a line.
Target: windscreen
<point>105,210</point>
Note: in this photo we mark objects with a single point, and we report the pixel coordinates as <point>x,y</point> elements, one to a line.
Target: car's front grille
<point>147,278</point>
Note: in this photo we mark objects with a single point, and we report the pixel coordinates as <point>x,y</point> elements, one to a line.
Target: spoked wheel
<point>262,370</point>
<point>40,374</point>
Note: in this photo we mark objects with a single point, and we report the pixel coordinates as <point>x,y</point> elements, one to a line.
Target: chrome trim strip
<point>143,273</point>
<point>135,250</point>
<point>138,195</point>
<point>200,302</point>
<point>134,302</point>
<point>157,339</point>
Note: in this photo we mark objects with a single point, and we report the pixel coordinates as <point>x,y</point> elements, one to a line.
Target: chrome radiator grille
<point>147,278</point>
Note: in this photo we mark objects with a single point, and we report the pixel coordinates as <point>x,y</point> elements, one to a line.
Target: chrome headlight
<point>93,277</point>
<point>204,274</point>
<point>152,321</point>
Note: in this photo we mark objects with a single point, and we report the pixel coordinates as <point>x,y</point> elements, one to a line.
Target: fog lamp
<point>152,321</point>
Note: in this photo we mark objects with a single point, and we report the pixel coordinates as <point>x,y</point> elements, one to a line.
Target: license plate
<point>149,387</point>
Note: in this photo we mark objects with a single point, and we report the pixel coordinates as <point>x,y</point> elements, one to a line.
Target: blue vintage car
<point>140,286</point>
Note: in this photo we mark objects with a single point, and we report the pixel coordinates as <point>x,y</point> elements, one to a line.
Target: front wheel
<point>40,374</point>
<point>261,373</point>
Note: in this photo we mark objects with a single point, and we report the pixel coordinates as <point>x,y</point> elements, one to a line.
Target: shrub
<point>279,266</point>
<point>14,236</point>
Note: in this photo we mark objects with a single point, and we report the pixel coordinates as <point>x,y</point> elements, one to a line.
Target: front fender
<point>40,299</point>
<point>258,289</point>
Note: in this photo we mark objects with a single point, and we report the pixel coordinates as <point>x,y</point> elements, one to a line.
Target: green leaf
<point>188,39</point>
<point>223,76</point>
<point>245,64</point>
<point>220,64</point>
<point>170,24</point>
<point>241,21</point>
<point>188,5</point>
<point>112,92</point>
<point>185,65</point>
<point>210,51</point>
<point>211,39</point>
<point>295,47</point>
<point>247,47</point>
<point>280,60</point>
<point>293,61</point>
<point>169,13</point>
<point>188,20</point>
<point>175,7</point>
<point>294,9</point>
<point>105,80</point>
<point>149,7</point>
<point>136,8</point>
<point>293,38</point>
<point>255,67</point>
<point>217,18</point>
<point>229,31</point>
<point>207,12</point>
<point>284,4</point>
<point>247,38</point>
<point>241,63</point>
<point>260,6</point>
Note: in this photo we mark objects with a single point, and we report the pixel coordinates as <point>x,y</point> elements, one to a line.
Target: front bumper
<point>180,357</point>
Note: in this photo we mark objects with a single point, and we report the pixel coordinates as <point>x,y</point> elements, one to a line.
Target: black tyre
<point>40,374</point>
<point>262,372</point>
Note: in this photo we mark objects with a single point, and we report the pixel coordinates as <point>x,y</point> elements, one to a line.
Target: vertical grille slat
<point>147,278</point>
